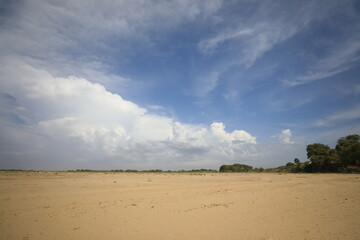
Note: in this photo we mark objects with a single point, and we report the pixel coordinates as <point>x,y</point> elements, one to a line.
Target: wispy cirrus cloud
<point>263,30</point>
<point>270,24</point>
<point>339,58</point>
<point>345,115</point>
<point>204,85</point>
<point>86,37</point>
<point>208,46</point>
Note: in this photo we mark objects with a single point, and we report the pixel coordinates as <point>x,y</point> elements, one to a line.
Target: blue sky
<point>175,84</point>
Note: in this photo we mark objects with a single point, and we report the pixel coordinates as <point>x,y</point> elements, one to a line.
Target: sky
<point>175,84</point>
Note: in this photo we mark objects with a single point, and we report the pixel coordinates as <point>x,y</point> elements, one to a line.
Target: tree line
<point>345,157</point>
<point>237,167</point>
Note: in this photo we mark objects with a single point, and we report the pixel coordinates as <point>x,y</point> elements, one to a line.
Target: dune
<point>72,205</point>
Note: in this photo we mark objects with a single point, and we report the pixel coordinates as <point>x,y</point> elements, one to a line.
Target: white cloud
<point>285,136</point>
<point>189,134</point>
<point>73,115</point>
<point>90,136</point>
<point>218,130</point>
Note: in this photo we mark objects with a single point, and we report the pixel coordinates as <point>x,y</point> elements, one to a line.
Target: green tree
<point>348,149</point>
<point>297,161</point>
<point>225,168</point>
<point>290,164</point>
<point>318,154</point>
<point>355,154</point>
<point>334,161</point>
<point>241,167</point>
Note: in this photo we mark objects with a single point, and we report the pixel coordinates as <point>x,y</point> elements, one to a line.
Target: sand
<point>49,205</point>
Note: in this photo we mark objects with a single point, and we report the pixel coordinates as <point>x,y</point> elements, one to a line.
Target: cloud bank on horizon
<point>174,84</point>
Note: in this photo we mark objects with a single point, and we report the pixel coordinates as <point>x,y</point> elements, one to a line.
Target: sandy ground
<point>178,206</point>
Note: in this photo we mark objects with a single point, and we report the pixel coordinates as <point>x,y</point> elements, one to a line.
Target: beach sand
<point>79,205</point>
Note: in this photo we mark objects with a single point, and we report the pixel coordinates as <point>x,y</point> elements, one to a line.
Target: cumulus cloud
<point>285,136</point>
<point>86,119</point>
<point>218,130</point>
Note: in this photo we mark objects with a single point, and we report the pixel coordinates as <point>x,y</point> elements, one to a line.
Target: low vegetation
<point>146,171</point>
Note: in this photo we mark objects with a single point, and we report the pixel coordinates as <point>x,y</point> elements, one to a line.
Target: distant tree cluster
<point>343,158</point>
<point>236,168</point>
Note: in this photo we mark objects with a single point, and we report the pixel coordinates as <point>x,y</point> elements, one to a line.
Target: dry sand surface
<point>49,205</point>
